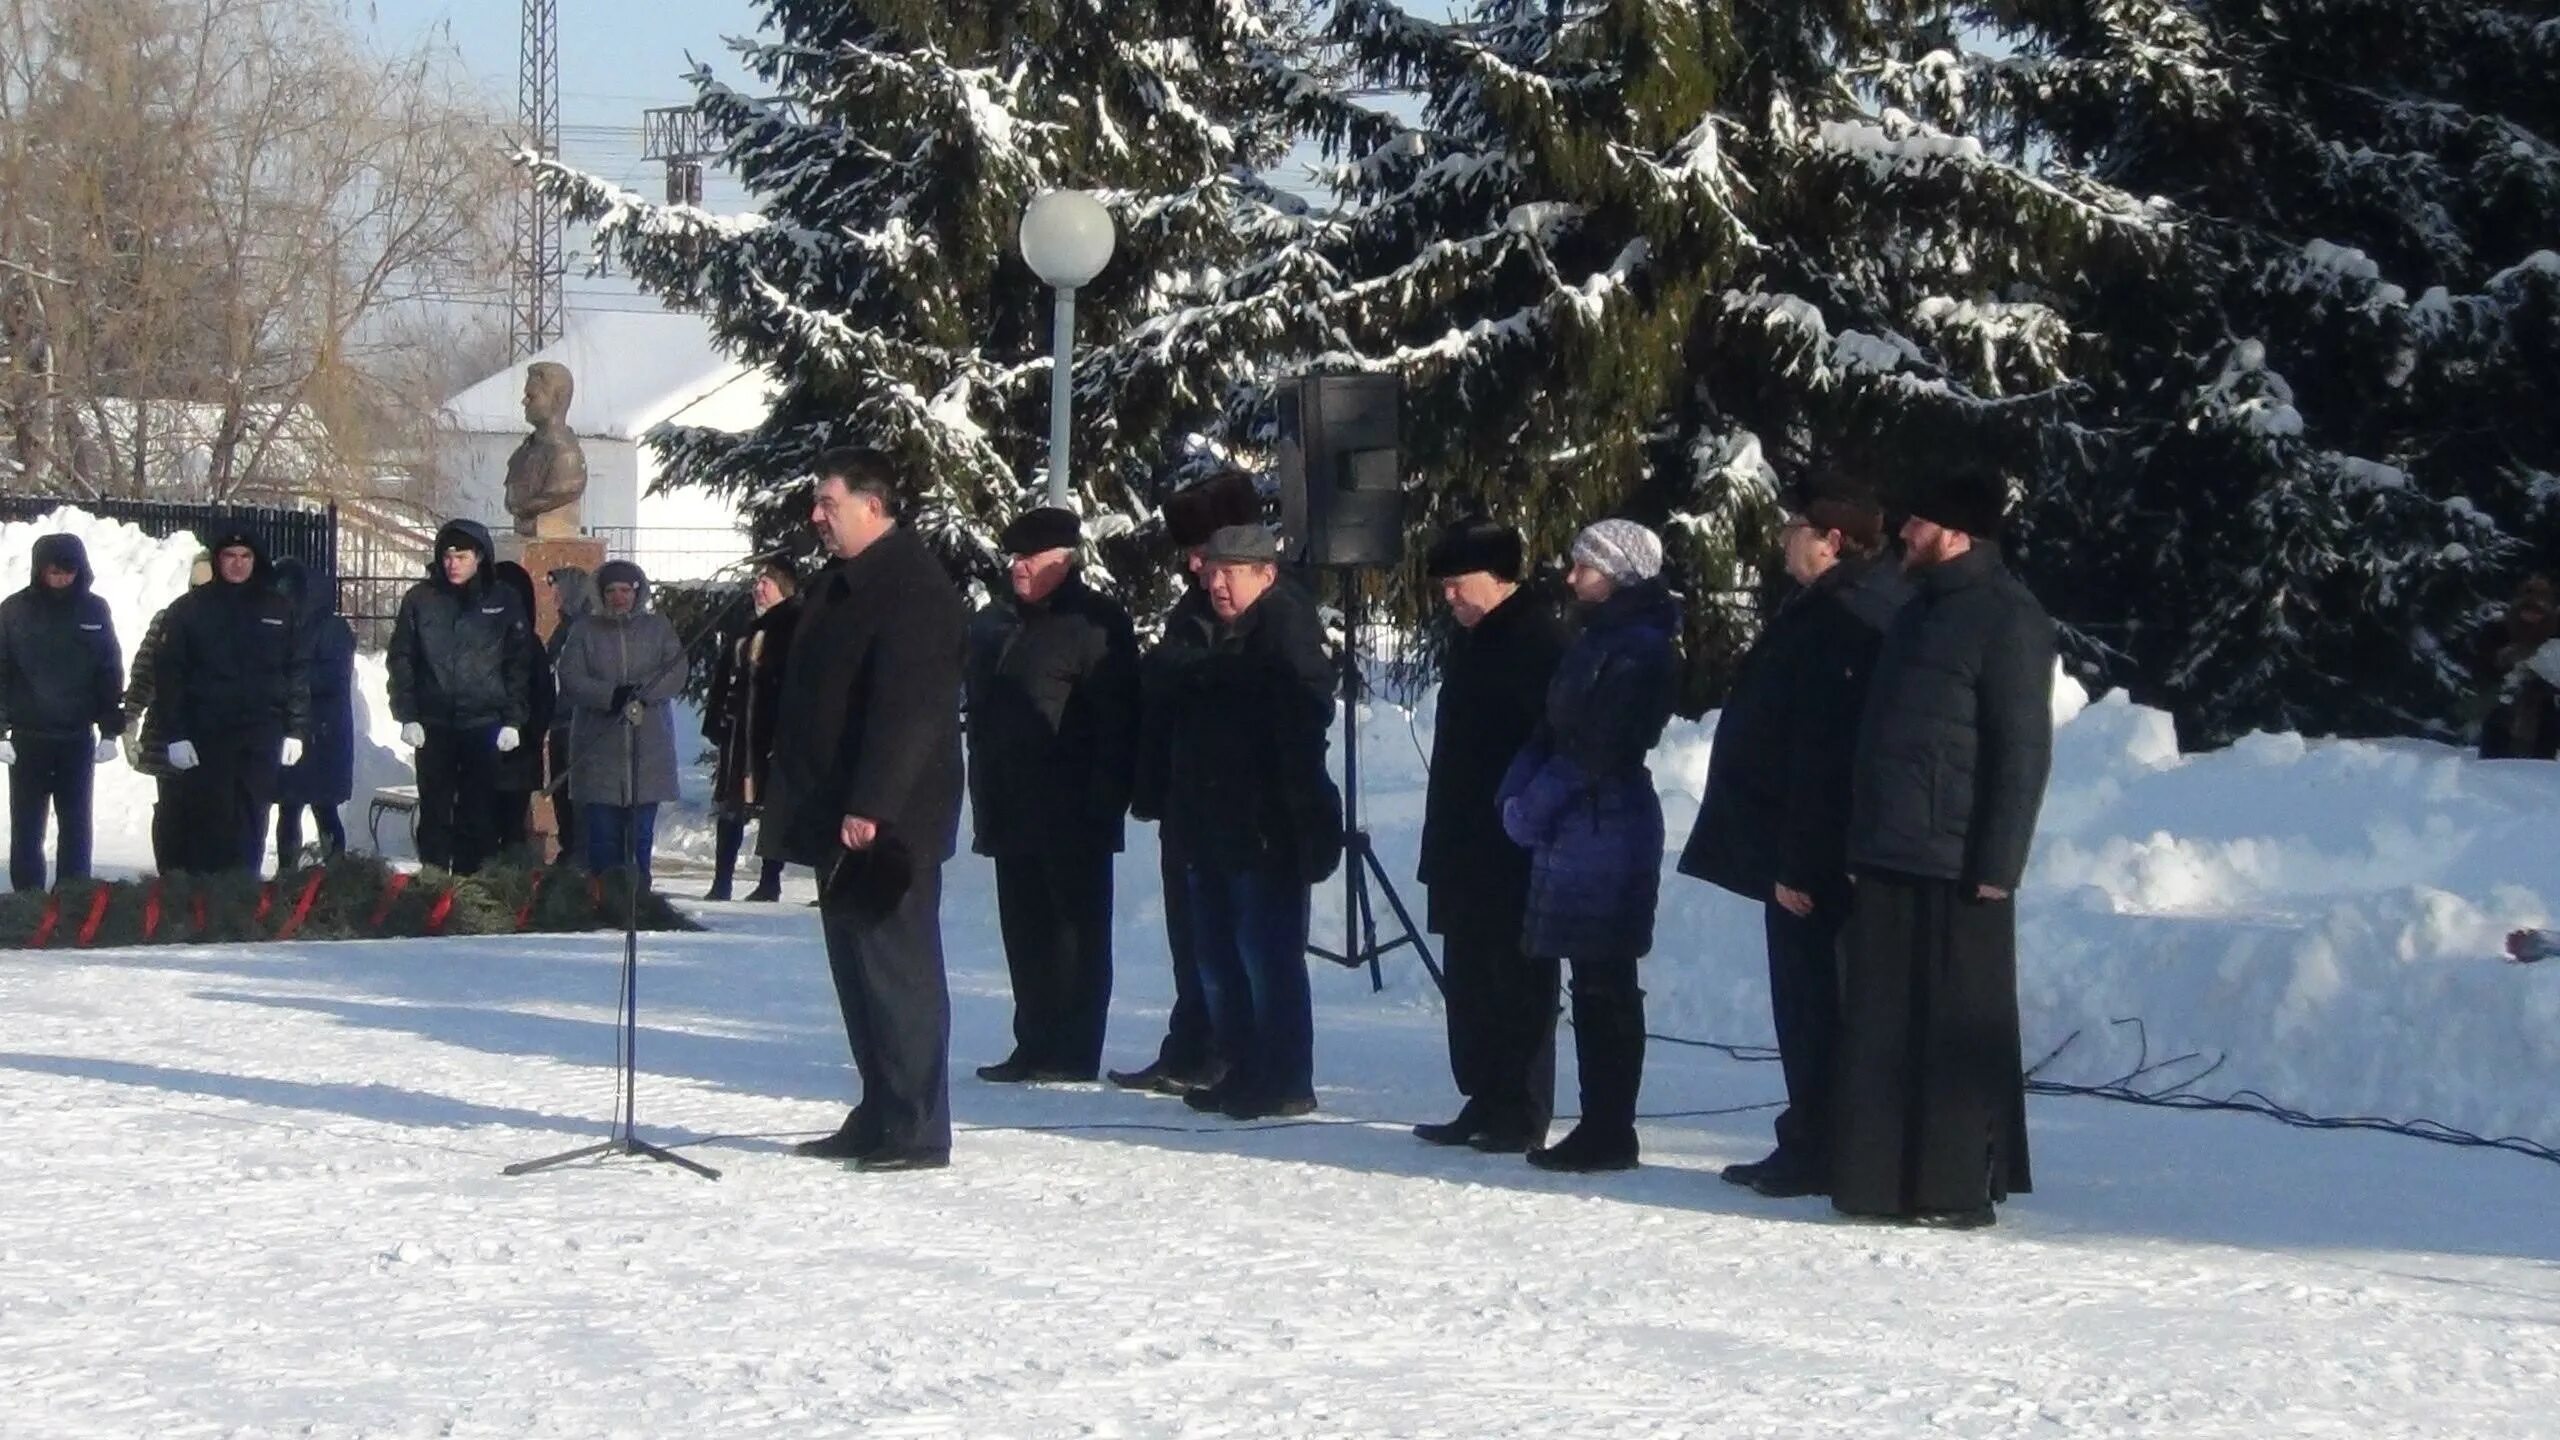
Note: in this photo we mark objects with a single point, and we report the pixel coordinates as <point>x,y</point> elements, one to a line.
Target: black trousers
<point>564,811</point>
<point>169,824</point>
<point>1190,1046</point>
<point>886,955</point>
<point>1055,911</point>
<point>510,819</point>
<point>1608,1043</point>
<point>730,835</point>
<point>1502,1019</point>
<point>457,787</point>
<point>1804,1003</point>
<point>56,777</point>
<point>225,802</point>
<point>324,820</point>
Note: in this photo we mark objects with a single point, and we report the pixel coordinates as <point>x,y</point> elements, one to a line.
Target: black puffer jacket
<point>744,710</point>
<point>1252,718</point>
<point>1493,694</point>
<point>1956,738</point>
<point>229,660</point>
<point>1777,804</point>
<point>1053,724</point>
<point>462,656</point>
<point>61,671</point>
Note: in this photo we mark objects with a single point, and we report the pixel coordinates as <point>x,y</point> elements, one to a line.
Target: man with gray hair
<point>1253,714</point>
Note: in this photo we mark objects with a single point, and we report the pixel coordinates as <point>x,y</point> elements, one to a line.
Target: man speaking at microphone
<point>866,789</point>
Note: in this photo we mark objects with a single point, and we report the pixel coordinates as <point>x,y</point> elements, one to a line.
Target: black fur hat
<point>1971,499</point>
<point>1474,544</point>
<point>1193,514</point>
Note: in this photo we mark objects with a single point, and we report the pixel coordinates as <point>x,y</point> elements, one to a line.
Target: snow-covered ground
<point>254,1191</point>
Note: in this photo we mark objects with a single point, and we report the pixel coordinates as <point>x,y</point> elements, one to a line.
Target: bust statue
<point>548,472</point>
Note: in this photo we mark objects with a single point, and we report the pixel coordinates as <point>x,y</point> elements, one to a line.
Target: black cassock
<point>1931,1112</point>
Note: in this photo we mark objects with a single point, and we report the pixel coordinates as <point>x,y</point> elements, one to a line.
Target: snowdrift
<point>2325,916</point>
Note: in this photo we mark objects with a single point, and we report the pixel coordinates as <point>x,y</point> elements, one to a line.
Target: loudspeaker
<point>1341,486</point>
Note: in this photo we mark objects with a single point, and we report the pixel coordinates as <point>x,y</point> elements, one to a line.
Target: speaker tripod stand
<point>1360,863</point>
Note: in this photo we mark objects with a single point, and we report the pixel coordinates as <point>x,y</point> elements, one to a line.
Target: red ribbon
<point>302,907</point>
<point>151,910</point>
<point>390,894</point>
<point>196,905</point>
<point>442,911</point>
<point>524,916</point>
<point>97,916</point>
<point>266,900</point>
<point>44,927</point>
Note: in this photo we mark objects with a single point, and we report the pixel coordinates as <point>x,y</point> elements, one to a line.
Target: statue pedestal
<point>541,555</point>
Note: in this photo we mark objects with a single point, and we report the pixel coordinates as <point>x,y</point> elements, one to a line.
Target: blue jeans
<point>1250,928</point>
<point>618,835</point>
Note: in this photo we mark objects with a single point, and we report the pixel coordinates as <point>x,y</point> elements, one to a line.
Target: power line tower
<point>542,264</point>
<point>681,138</point>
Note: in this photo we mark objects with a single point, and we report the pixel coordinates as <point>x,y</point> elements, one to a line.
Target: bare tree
<point>227,215</point>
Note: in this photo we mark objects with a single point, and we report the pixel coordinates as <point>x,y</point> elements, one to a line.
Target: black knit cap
<point>1047,528</point>
<point>1971,499</point>
<point>1476,544</point>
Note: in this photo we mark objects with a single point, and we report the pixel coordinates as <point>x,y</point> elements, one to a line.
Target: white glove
<point>508,739</point>
<point>292,752</point>
<point>413,734</point>
<point>8,753</point>
<point>182,755</point>
<point>108,749</point>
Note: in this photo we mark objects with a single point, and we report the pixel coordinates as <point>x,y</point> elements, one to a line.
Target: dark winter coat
<point>1493,693</point>
<point>228,660</point>
<point>146,742</point>
<point>462,656</point>
<point>1052,724</point>
<point>520,771</point>
<point>1252,717</point>
<point>1777,805</point>
<point>744,709</point>
<point>575,591</point>
<point>1189,628</point>
<point>1580,796</point>
<point>61,671</point>
<point>871,717</point>
<point>326,774</point>
<point>1957,735</point>
<point>606,653</point>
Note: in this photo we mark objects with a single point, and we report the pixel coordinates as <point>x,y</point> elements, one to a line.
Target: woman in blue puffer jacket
<point>1580,799</point>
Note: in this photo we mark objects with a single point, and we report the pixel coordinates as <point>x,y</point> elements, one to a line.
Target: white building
<point>634,372</point>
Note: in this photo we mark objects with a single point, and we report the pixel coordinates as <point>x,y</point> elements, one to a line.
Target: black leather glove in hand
<point>623,695</point>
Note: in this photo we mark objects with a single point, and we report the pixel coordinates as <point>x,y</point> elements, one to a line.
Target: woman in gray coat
<point>618,670</point>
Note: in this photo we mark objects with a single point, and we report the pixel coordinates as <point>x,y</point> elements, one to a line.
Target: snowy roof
<point>633,370</point>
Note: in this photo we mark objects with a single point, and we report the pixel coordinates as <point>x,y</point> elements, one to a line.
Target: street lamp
<point>1067,238</point>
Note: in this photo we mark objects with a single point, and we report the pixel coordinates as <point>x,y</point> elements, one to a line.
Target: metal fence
<point>310,536</point>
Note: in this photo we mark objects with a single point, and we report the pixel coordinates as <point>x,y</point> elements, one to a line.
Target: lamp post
<point>1067,238</point>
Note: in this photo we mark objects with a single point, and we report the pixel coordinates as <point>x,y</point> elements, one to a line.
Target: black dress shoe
<point>1980,1218</point>
<point>1186,1082</point>
<point>850,1142</point>
<point>716,893</point>
<point>1787,1180</point>
<point>892,1160</point>
<point>1140,1079</point>
<point>1585,1151</point>
<point>764,895</point>
<point>1744,1172</point>
<point>1239,1108</point>
<point>1208,1098</point>
<point>1502,1139</point>
<point>1012,1070</point>
<point>1468,1122</point>
<point>1060,1075</point>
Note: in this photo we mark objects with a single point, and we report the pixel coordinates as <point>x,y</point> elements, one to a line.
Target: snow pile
<point>138,576</point>
<point>2327,915</point>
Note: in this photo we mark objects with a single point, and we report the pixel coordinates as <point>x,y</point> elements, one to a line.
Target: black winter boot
<point>1608,1047</point>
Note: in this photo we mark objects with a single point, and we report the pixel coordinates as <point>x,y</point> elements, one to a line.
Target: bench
<point>391,799</point>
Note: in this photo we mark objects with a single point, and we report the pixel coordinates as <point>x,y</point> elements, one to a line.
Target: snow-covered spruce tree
<point>2322,434</point>
<point>880,279</point>
<point>1662,257</point>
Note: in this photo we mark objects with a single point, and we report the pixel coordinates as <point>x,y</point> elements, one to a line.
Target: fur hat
<point>1047,528</point>
<point>1971,499</point>
<point>1193,514</point>
<point>1623,550</point>
<point>1477,544</point>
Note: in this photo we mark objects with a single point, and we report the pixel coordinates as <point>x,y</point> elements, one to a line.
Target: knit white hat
<point>1623,550</point>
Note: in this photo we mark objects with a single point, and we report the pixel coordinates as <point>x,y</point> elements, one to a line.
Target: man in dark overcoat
<point>1500,1002</point>
<point>1774,826</point>
<point>866,791</point>
<point>61,682</point>
<point>1188,1058</point>
<point>230,672</point>
<point>1954,747</point>
<point>460,666</point>
<point>1053,721</point>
